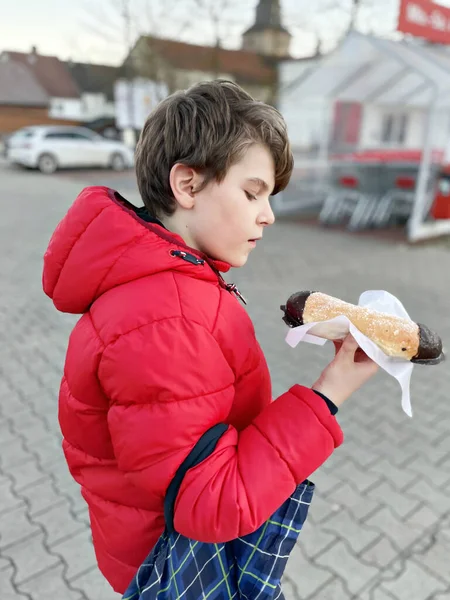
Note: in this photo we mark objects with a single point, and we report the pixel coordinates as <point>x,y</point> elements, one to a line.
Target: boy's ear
<point>184,181</point>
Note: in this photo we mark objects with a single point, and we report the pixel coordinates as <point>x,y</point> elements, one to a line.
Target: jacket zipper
<point>232,288</point>
<point>190,258</point>
<point>194,260</point>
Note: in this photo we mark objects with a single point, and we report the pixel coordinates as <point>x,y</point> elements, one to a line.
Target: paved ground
<point>379,527</point>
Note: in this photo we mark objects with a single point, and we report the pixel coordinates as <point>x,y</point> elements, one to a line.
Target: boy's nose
<point>267,217</point>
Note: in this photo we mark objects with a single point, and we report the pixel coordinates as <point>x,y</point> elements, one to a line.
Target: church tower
<point>267,35</point>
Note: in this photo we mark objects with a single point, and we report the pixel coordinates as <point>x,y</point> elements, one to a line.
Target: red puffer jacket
<point>161,353</point>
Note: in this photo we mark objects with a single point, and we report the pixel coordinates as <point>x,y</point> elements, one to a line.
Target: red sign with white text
<point>425,19</point>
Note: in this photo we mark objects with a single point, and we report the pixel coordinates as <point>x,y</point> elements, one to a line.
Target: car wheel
<point>117,162</point>
<point>47,164</point>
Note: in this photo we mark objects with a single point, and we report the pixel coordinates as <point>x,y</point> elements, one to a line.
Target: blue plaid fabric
<point>249,567</point>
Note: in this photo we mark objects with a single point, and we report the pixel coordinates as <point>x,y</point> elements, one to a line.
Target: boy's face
<point>229,218</point>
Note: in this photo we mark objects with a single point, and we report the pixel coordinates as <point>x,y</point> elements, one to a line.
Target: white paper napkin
<point>339,327</point>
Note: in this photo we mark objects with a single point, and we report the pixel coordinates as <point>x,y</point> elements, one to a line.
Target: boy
<point>164,350</point>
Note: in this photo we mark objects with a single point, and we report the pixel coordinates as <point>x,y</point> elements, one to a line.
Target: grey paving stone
<point>431,495</point>
<point>48,451</point>
<point>334,590</point>
<point>30,557</point>
<point>380,554</point>
<point>290,589</point>
<point>50,584</point>
<point>8,500</point>
<point>342,562</point>
<point>58,522</point>
<point>357,535</point>
<point>14,454</point>
<point>429,468</point>
<point>414,582</point>
<point>15,526</point>
<point>6,435</point>
<point>377,593</point>
<point>322,509</point>
<point>314,540</point>
<point>423,518</point>
<point>27,474</point>
<point>398,532</point>
<point>361,479</point>
<point>441,595</point>
<point>13,405</point>
<point>95,586</point>
<point>308,577</point>
<point>42,497</point>
<point>326,482</point>
<point>398,477</point>
<point>360,505</point>
<point>7,590</point>
<point>77,552</point>
<point>432,551</point>
<point>34,430</point>
<point>403,503</point>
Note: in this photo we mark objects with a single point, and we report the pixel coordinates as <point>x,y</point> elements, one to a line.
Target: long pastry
<point>397,337</point>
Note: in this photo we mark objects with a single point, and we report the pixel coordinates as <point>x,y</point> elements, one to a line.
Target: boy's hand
<point>349,370</point>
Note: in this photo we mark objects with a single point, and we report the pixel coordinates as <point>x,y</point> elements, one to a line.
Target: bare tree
<point>220,16</point>
<point>220,21</point>
<point>331,20</point>
<point>126,28</point>
<point>138,26</point>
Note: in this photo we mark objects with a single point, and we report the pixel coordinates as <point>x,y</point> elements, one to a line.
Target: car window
<point>57,135</point>
<point>26,133</point>
<point>74,135</point>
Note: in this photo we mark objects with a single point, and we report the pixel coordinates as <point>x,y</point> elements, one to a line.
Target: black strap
<point>202,449</point>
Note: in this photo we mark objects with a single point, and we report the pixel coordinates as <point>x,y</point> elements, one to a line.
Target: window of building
<point>394,128</point>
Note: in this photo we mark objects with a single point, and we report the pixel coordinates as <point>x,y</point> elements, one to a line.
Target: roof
<point>19,87</point>
<point>268,16</point>
<point>51,73</point>
<point>367,69</point>
<point>95,78</point>
<point>244,65</point>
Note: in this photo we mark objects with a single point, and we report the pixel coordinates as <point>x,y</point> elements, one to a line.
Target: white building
<point>368,94</point>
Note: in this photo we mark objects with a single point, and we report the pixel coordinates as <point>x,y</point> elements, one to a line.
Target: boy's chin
<point>233,259</point>
<point>237,261</point>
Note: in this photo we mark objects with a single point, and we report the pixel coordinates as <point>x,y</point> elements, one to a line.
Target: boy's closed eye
<point>250,196</point>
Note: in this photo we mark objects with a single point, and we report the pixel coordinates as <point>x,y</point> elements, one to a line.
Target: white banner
<point>134,101</point>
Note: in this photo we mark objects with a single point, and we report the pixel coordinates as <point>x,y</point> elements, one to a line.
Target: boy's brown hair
<point>207,127</point>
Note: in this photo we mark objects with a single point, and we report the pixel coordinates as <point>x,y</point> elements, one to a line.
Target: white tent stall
<point>380,72</point>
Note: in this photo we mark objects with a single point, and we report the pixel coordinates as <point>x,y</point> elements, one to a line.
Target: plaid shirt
<point>249,567</point>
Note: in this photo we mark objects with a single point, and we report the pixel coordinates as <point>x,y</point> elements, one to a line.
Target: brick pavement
<point>379,527</point>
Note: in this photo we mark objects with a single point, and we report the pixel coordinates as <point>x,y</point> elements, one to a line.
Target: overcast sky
<point>92,30</point>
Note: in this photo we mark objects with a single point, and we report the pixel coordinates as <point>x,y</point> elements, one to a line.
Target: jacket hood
<point>102,243</point>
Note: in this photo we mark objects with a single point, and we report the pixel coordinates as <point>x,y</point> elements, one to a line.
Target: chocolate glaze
<point>293,311</point>
<point>430,347</point>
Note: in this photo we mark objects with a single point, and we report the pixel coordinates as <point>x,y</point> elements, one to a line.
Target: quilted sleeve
<point>168,383</point>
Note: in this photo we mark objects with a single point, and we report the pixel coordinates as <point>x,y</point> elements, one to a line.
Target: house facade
<point>43,90</point>
<point>83,93</point>
<point>253,66</point>
<point>23,100</point>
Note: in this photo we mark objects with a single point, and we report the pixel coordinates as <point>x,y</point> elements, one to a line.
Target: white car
<point>49,148</point>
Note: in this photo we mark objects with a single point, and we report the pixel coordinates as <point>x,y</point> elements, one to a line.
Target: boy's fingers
<point>337,345</point>
<point>349,346</point>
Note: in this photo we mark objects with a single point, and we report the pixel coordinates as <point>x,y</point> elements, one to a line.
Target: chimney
<point>32,57</point>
